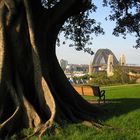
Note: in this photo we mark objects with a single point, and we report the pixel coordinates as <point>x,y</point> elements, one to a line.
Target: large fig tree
<point>34,92</point>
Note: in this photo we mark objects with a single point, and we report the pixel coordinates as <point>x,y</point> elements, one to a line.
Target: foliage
<point>126,13</point>
<point>120,77</point>
<point>84,77</point>
<point>80,27</point>
<point>99,78</point>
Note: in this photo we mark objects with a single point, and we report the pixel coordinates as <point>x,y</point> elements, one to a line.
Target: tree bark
<point>33,88</point>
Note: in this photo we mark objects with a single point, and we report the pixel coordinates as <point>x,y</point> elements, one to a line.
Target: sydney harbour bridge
<point>101,61</point>
<point>101,57</point>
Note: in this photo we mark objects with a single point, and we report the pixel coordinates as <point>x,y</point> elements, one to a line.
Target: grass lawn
<point>123,115</point>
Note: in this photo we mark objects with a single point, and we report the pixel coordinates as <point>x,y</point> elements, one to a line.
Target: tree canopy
<point>80,27</point>
<point>126,13</point>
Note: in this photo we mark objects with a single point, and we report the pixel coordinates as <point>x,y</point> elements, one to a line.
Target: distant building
<point>69,68</point>
<point>75,68</point>
<point>122,60</point>
<point>63,64</point>
<point>110,65</point>
<point>90,69</point>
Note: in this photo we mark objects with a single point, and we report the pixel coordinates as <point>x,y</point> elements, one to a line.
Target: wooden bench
<point>88,90</point>
<point>99,93</point>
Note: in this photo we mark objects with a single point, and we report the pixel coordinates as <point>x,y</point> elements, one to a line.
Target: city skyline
<point>79,57</point>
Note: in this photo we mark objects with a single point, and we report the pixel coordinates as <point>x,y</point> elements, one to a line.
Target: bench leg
<point>103,95</point>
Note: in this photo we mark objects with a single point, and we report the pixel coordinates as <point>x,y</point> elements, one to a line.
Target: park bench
<point>88,90</point>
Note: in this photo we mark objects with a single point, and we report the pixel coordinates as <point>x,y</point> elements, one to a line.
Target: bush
<point>120,77</point>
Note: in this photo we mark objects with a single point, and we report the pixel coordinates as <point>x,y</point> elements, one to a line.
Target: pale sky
<point>117,45</point>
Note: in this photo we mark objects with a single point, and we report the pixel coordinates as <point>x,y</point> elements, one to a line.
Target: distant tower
<point>90,68</point>
<point>122,60</point>
<point>110,65</point>
<point>63,64</point>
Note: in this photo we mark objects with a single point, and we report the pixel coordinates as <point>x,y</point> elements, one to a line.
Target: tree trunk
<point>33,88</point>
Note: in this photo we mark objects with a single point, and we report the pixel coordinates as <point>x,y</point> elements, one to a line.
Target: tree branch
<point>65,9</point>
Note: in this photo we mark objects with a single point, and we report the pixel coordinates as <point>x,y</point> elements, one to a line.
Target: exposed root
<point>40,129</point>
<point>93,123</point>
<point>114,128</point>
<point>43,128</point>
<point>12,116</point>
<point>98,126</point>
<point>48,97</point>
<point>87,123</point>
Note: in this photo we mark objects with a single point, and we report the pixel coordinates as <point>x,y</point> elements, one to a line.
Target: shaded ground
<point>118,107</point>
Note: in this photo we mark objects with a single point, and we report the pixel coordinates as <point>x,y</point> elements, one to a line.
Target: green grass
<point>123,116</point>
<point>122,121</point>
<point>124,111</point>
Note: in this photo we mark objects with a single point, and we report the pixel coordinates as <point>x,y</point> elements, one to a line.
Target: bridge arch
<point>101,57</point>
